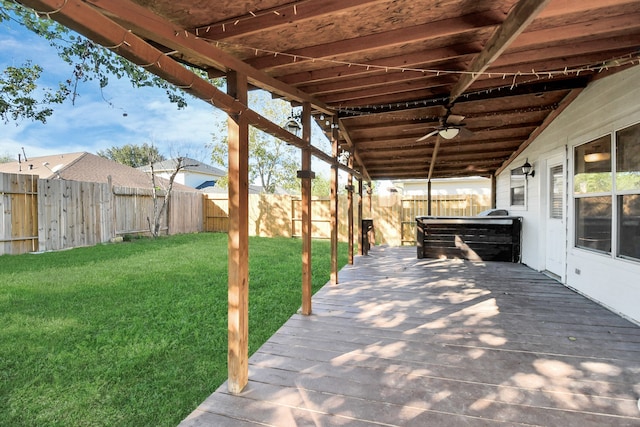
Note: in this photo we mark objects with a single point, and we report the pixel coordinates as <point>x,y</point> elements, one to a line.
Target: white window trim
<point>525,205</point>
<point>571,213</point>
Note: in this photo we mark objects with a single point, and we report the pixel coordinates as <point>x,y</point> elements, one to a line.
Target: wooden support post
<point>238,240</point>
<point>306,175</point>
<point>334,203</point>
<point>359,216</point>
<point>429,197</point>
<point>493,192</point>
<point>350,211</point>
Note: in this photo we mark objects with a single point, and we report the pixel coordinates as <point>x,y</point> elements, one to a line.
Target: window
<point>593,223</point>
<point>592,189</point>
<point>557,183</point>
<point>596,188</point>
<point>518,187</point>
<point>628,191</point>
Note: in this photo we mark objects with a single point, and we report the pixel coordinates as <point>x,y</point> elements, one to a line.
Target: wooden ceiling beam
<point>413,174</point>
<point>410,151</point>
<point>268,20</point>
<point>442,165</point>
<point>516,128</point>
<point>358,45</point>
<point>569,33</point>
<point>499,90</point>
<point>402,168</point>
<point>588,7</point>
<point>553,57</point>
<point>522,15</point>
<point>370,99</point>
<point>382,145</point>
<point>421,59</point>
<point>485,157</point>
<point>375,83</point>
<point>487,90</point>
<point>585,61</point>
<point>142,21</point>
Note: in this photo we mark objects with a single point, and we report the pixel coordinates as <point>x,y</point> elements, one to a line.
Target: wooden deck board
<point>402,342</point>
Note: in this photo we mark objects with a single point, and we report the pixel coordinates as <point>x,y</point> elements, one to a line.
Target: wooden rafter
<point>428,31</point>
<point>522,15</point>
<point>278,17</point>
<point>422,59</point>
<point>143,21</point>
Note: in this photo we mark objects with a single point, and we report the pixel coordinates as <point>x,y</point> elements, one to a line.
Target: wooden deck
<point>408,342</point>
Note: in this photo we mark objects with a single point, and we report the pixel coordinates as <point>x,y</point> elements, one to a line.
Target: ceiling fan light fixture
<point>596,157</point>
<point>449,133</point>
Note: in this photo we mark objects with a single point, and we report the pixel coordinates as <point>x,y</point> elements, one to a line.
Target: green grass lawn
<point>134,334</point>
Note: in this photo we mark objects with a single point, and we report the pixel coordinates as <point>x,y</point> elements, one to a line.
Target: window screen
<point>557,190</point>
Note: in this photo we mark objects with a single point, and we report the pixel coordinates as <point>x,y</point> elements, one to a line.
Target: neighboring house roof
<point>206,184</point>
<point>84,167</point>
<point>192,165</point>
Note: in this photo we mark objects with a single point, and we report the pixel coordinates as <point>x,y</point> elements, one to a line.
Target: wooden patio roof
<point>391,71</point>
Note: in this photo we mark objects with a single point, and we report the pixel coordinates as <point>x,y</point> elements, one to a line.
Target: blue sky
<point>93,124</point>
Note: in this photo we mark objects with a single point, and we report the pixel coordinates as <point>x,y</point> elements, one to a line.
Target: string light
<point>365,110</point>
<point>628,59</point>
<point>394,116</point>
<point>278,11</point>
<point>597,67</point>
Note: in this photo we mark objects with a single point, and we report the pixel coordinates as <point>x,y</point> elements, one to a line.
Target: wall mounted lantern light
<point>293,124</point>
<point>527,169</point>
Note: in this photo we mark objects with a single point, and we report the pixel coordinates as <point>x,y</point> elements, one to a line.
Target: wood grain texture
<point>407,342</point>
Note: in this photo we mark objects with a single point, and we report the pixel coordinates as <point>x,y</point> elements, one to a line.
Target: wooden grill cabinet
<point>490,238</point>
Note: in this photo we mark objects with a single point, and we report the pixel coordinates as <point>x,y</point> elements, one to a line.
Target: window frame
<point>517,176</point>
<point>612,193</point>
<point>618,196</point>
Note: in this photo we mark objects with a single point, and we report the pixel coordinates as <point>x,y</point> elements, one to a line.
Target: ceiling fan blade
<point>454,119</point>
<point>422,138</point>
<point>465,133</point>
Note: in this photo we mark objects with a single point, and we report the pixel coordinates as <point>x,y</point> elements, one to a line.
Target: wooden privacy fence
<point>54,214</point>
<point>18,213</point>
<point>441,205</point>
<point>393,216</point>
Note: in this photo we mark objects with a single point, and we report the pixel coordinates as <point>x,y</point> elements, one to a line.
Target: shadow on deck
<point>409,342</point>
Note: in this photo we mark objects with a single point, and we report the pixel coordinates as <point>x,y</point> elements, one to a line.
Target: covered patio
<point>415,90</point>
<point>406,341</point>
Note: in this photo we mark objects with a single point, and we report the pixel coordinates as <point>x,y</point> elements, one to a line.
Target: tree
<point>159,210</point>
<point>133,155</point>
<point>6,158</point>
<point>321,186</point>
<point>272,162</point>
<point>19,94</point>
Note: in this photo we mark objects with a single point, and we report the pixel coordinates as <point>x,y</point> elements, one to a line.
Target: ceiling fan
<point>450,126</point>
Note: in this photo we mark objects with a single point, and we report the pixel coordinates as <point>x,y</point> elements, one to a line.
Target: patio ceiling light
<point>449,133</point>
<point>596,157</point>
<point>293,124</point>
